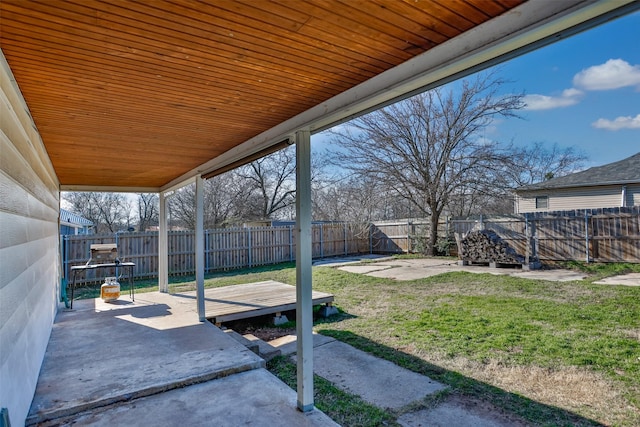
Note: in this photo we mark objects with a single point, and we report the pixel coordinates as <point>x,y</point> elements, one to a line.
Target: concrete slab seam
<point>147,391</point>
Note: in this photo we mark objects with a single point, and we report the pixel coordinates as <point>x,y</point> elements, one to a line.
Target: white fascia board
<point>108,189</point>
<point>168,190</point>
<point>531,25</point>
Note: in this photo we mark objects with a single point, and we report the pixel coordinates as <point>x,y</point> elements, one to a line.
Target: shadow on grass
<point>319,320</point>
<point>532,411</point>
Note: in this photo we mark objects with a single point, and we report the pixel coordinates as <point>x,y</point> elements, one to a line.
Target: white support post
<point>304,305</point>
<point>163,246</point>
<point>200,247</point>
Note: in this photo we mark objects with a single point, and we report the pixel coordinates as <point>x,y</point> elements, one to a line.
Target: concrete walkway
<point>389,386</point>
<point>631,279</point>
<point>151,362</point>
<point>375,380</point>
<point>420,268</point>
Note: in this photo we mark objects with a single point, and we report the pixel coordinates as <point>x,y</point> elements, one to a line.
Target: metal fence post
<point>291,243</point>
<point>66,256</point>
<point>206,250</point>
<point>119,254</point>
<point>249,247</point>
<point>586,235</point>
<point>346,249</point>
<point>527,240</point>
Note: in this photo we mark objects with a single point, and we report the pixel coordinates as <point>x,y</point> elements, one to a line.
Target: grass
<point>344,408</point>
<point>482,334</point>
<point>553,353</point>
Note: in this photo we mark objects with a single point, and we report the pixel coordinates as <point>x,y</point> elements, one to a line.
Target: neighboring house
<point>613,185</point>
<point>71,223</point>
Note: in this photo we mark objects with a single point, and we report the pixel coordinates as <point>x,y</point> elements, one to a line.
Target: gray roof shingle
<point>625,171</point>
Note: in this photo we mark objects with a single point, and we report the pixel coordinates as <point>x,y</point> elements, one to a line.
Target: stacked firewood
<point>486,246</point>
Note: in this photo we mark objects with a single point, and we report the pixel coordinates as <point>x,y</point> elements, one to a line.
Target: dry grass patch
<point>572,388</point>
<point>634,334</point>
<point>575,389</point>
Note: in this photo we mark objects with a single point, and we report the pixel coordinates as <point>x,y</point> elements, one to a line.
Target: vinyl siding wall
<point>29,255</point>
<point>633,195</point>
<point>579,198</point>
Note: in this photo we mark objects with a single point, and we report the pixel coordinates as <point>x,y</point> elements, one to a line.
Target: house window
<point>542,202</point>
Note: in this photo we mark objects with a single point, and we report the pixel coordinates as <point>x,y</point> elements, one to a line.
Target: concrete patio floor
<point>151,362</point>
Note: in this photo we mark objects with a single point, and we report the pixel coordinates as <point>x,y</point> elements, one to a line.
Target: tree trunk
<point>433,233</point>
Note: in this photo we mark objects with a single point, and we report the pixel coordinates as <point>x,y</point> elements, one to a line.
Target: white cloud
<point>623,122</point>
<point>613,74</point>
<point>484,141</point>
<point>572,92</point>
<point>544,102</point>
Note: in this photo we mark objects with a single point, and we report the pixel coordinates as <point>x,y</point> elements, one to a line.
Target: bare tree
<point>428,147</point>
<point>352,199</point>
<point>110,212</point>
<point>182,207</point>
<point>148,209</point>
<point>539,162</point>
<point>221,198</point>
<point>535,162</point>
<point>273,181</point>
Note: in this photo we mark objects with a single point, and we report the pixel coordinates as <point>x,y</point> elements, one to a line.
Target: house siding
<point>633,195</point>
<point>29,255</point>
<point>578,198</point>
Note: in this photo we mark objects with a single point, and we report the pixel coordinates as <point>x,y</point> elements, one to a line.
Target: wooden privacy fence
<point>601,235</point>
<point>225,249</point>
<point>406,236</point>
<point>604,235</point>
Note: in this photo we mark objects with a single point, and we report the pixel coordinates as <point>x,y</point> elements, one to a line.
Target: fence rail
<point>600,235</point>
<point>609,235</point>
<point>224,249</point>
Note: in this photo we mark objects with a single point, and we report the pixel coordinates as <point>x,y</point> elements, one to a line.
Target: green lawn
<point>477,332</point>
<point>553,353</point>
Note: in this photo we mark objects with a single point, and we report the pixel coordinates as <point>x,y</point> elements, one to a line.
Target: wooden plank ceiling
<point>137,93</point>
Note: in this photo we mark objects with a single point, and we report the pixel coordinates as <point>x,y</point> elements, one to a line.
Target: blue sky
<point>583,91</point>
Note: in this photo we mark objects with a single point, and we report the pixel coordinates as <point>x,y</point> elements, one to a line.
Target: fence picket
<point>224,248</point>
<point>613,236</point>
<point>601,235</point>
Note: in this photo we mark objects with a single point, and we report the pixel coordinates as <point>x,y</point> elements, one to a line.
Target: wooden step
<point>265,350</point>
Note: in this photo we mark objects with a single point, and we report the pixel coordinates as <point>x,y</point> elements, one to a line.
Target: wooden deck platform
<point>253,299</point>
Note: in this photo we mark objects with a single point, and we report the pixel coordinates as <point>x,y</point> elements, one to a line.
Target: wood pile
<point>486,246</point>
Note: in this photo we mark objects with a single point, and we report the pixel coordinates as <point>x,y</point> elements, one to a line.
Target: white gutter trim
<point>108,189</point>
<point>179,185</point>
<point>528,26</point>
<point>581,185</point>
<point>118,189</point>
